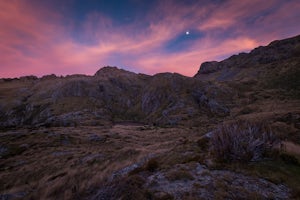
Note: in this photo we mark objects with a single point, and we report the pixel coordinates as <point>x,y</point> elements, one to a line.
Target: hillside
<point>122,135</point>
<point>111,95</point>
<point>266,82</point>
<point>241,84</point>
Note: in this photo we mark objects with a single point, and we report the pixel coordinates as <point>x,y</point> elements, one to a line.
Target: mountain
<point>109,96</point>
<point>115,95</point>
<point>268,75</point>
<point>265,82</point>
<point>276,65</point>
<point>230,132</point>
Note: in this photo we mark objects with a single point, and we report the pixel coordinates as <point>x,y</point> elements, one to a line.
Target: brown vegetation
<point>241,141</point>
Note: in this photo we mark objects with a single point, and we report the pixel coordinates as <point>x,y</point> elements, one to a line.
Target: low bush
<point>203,143</point>
<point>241,141</point>
<point>152,165</point>
<point>289,159</point>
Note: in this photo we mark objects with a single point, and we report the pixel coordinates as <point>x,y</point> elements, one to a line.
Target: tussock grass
<point>241,141</point>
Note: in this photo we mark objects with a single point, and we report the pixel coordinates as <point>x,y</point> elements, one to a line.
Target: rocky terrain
<point>111,95</point>
<point>122,135</point>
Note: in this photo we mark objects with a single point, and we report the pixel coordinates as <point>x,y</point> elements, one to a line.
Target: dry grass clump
<point>203,143</point>
<point>289,159</point>
<point>241,141</point>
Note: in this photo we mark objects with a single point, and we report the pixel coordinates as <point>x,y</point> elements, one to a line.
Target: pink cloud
<point>24,38</point>
<point>279,24</point>
<point>35,41</point>
<point>186,63</point>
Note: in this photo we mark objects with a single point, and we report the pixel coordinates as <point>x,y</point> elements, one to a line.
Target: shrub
<point>152,165</point>
<point>245,110</point>
<point>241,141</point>
<point>203,143</point>
<point>289,159</point>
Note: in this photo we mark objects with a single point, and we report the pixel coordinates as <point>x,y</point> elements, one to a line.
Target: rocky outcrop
<point>26,78</point>
<point>109,96</point>
<point>51,76</point>
<point>209,67</point>
<point>252,64</point>
<point>112,72</point>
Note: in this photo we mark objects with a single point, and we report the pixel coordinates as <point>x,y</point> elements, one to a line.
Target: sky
<point>39,37</point>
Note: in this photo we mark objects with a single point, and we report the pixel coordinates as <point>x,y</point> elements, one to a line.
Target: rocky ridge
<point>110,95</point>
<point>260,60</point>
<point>113,94</point>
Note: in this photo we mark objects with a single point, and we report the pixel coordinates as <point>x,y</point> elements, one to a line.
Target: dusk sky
<point>39,37</point>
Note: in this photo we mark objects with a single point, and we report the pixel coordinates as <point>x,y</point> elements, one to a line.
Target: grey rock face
<point>209,103</point>
<point>209,67</point>
<point>151,101</point>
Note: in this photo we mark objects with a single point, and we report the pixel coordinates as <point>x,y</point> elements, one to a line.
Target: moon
<point>187,32</point>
